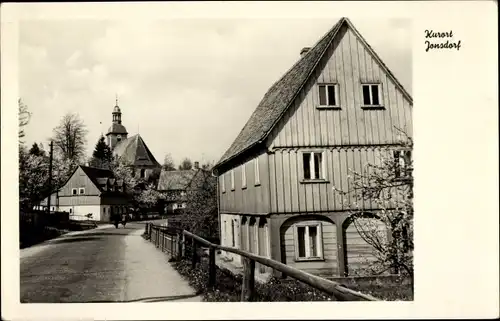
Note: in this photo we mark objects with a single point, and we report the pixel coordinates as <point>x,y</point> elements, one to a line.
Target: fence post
<point>248,285</point>
<point>211,266</point>
<point>183,250</point>
<point>193,254</point>
<point>179,247</point>
<point>171,246</point>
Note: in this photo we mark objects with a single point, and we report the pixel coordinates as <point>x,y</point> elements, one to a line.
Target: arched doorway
<point>361,233</point>
<point>309,243</point>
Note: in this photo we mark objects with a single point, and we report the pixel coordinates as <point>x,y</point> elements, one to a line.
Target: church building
<point>133,150</point>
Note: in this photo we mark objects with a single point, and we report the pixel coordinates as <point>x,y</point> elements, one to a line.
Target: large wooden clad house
<point>337,108</point>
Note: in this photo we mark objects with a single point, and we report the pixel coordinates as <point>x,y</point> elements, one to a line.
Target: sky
<point>187,86</point>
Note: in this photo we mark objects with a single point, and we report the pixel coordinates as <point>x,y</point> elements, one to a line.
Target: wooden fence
<point>181,244</point>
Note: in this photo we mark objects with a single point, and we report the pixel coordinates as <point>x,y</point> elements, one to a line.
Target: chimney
<point>196,165</point>
<point>304,51</point>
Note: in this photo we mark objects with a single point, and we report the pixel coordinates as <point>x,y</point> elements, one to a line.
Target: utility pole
<point>50,175</point>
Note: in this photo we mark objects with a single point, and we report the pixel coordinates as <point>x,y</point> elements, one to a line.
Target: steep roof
<point>134,151</point>
<point>175,180</point>
<point>96,175</point>
<point>283,93</point>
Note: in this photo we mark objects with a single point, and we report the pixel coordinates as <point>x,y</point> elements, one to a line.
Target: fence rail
<point>181,244</point>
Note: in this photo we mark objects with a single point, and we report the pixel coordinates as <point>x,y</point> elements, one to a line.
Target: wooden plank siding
<point>359,254</point>
<point>289,192</point>
<point>77,180</point>
<point>252,199</point>
<point>348,64</point>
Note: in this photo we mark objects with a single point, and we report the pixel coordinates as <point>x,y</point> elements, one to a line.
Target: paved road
<point>100,265</point>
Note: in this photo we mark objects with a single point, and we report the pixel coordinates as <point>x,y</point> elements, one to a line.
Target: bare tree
<point>70,137</point>
<point>388,185</point>
<point>168,163</point>
<point>24,118</point>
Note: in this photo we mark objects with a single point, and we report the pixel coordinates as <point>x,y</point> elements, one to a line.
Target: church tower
<point>117,132</point>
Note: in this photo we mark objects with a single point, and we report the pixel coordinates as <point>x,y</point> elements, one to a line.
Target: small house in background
<point>90,193</point>
<point>174,186</point>
<point>334,109</point>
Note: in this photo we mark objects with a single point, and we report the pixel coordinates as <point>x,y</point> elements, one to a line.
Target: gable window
<point>232,179</point>
<point>328,95</point>
<point>223,183</point>
<point>73,191</point>
<point>313,166</point>
<point>371,95</point>
<point>82,190</point>
<point>257,172</point>
<point>308,241</point>
<point>244,176</point>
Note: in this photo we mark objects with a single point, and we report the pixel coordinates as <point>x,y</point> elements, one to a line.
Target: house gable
<point>348,63</point>
<point>287,90</point>
<point>78,180</point>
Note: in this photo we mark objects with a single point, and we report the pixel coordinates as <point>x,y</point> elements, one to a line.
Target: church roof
<point>134,151</point>
<point>117,129</point>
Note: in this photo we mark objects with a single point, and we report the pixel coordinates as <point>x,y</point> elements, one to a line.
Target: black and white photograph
<point>219,159</point>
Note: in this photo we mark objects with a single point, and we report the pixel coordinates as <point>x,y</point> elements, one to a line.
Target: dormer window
<point>328,95</point>
<point>371,95</point>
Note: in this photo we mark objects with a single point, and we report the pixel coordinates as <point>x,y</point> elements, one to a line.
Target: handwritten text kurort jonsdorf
<point>448,44</point>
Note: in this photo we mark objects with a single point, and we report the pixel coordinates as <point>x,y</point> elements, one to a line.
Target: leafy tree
<point>34,173</point>
<point>36,150</point>
<point>168,163</point>
<point>388,184</point>
<point>200,216</point>
<point>70,137</point>
<point>102,155</point>
<point>186,164</point>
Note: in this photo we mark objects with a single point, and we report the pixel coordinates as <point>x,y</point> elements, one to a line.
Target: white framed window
<point>223,183</point>
<point>308,241</point>
<point>232,179</point>
<point>313,165</point>
<point>81,190</point>
<point>244,176</point>
<point>328,95</point>
<point>74,191</point>
<point>119,138</point>
<point>371,95</point>
<point>257,171</point>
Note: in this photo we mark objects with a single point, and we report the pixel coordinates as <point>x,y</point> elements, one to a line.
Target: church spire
<point>117,113</point>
